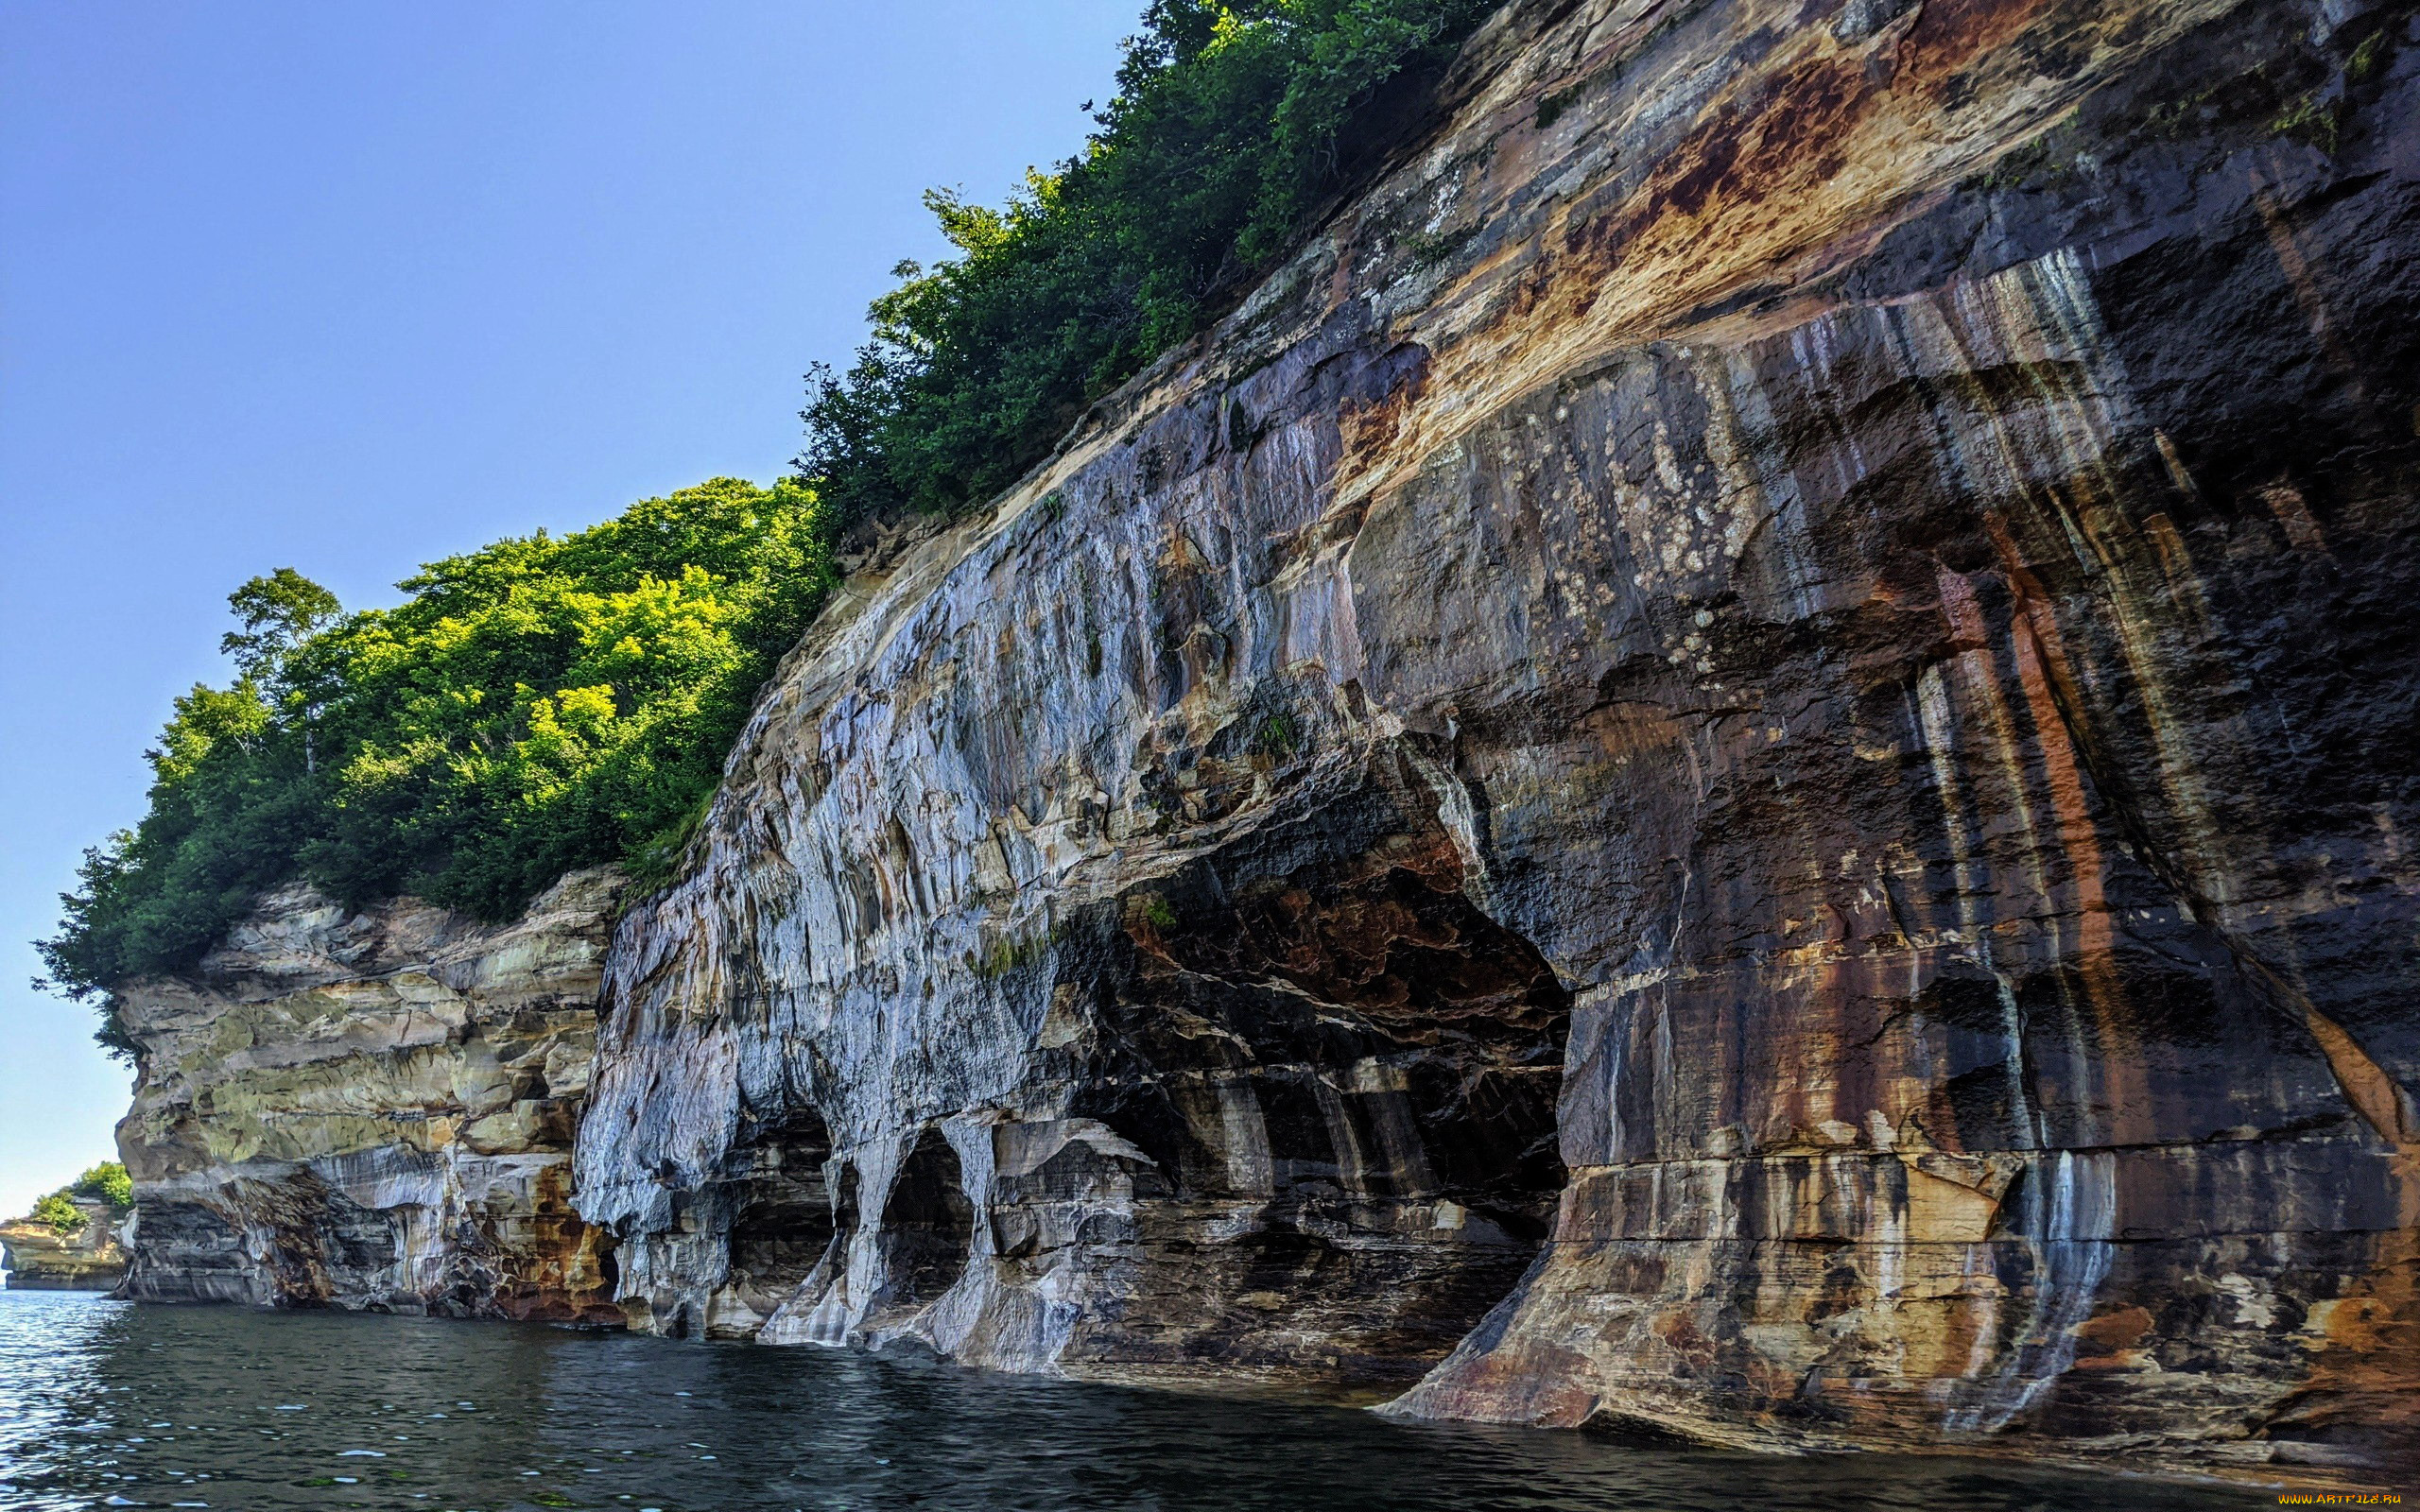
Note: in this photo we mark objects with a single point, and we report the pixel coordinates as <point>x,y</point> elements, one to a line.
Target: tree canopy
<point>534,706</point>
<point>1234,122</point>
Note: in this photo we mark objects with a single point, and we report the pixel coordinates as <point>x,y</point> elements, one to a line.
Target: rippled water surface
<point>105,1404</point>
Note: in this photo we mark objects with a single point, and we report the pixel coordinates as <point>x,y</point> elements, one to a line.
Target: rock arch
<point>927,1226</point>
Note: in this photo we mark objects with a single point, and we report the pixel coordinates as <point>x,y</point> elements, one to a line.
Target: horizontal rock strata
<point>372,1109</point>
<point>1762,708</point>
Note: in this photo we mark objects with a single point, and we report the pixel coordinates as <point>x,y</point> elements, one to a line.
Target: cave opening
<point>782,1217</point>
<point>927,1223</point>
<point>1402,1045</point>
<point>1324,1034</point>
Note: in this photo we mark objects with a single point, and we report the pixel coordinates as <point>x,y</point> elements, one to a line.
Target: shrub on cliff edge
<point>105,1183</point>
<point>61,1214</point>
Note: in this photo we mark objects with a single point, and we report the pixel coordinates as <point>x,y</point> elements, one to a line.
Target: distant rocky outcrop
<point>372,1108</point>
<point>40,1256</point>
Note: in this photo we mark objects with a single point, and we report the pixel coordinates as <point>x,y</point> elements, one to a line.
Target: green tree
<point>540,704</point>
<point>105,1183</point>
<point>1233,123</point>
<point>277,613</point>
<point>61,1214</point>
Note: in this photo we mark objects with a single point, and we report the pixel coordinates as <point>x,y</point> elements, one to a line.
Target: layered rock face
<point>40,1257</point>
<point>372,1109</point>
<point>1747,745</point>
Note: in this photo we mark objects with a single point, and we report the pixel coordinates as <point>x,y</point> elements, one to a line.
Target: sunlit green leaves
<point>59,1213</point>
<point>537,705</point>
<point>1232,124</point>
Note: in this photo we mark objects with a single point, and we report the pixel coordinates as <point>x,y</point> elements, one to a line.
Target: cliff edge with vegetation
<point>73,1240</point>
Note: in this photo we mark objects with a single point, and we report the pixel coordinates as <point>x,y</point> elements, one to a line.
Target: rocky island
<point>39,1257</point>
<point>1736,763</point>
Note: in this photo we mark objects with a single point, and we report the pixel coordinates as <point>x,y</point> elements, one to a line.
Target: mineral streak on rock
<point>1763,707</point>
<point>372,1109</point>
<point>40,1257</point>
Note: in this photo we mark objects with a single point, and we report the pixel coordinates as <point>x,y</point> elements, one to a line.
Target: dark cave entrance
<point>782,1214</point>
<point>1321,1021</point>
<point>1401,1044</point>
<point>927,1224</point>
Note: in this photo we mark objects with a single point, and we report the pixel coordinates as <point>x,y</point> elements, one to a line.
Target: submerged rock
<point>372,1109</point>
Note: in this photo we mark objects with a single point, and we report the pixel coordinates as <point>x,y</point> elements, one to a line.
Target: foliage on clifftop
<point>1232,124</point>
<point>105,1183</point>
<point>59,1213</point>
<point>541,704</point>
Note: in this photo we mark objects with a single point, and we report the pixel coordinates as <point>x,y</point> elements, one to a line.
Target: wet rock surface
<point>372,1109</point>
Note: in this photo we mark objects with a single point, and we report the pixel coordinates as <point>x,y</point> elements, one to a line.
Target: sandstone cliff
<point>372,1109</point>
<point>1743,753</point>
<point>40,1257</point>
<point>1739,765</point>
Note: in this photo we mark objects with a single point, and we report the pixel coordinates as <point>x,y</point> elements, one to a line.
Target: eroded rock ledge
<point>372,1109</point>
<point>39,1258</point>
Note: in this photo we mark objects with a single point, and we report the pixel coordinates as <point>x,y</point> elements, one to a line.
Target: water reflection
<point>103,1404</point>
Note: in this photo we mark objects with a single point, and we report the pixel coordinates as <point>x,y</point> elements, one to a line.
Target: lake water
<point>107,1404</point>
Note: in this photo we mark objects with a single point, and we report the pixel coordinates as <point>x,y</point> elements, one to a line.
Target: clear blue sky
<point>349,286</point>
